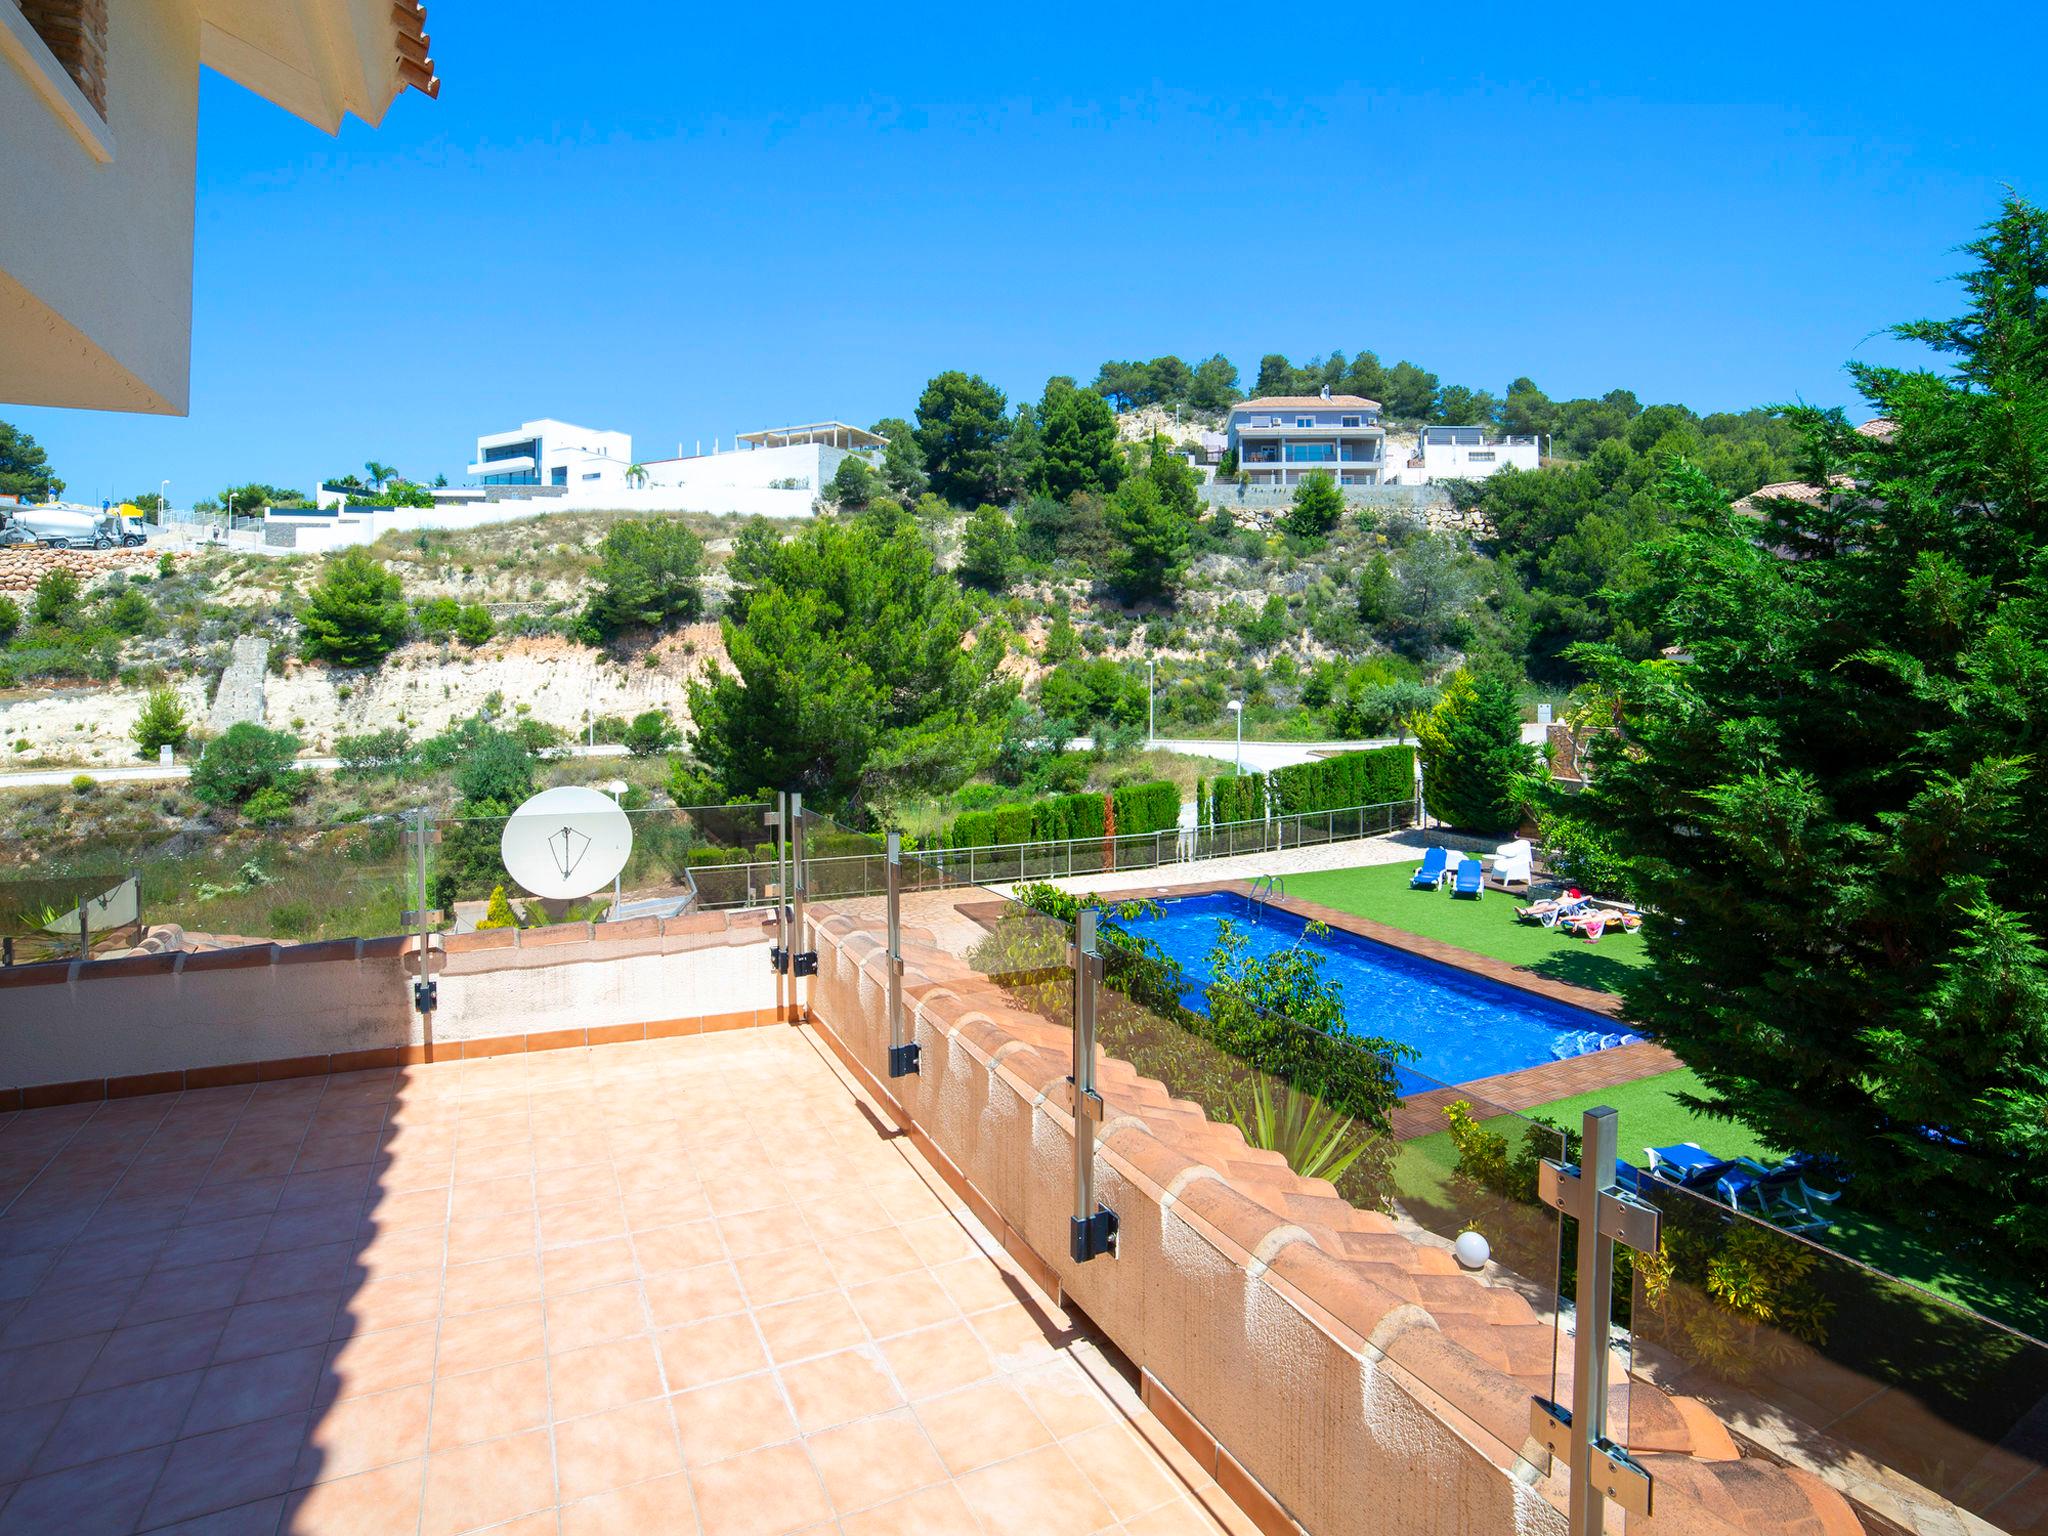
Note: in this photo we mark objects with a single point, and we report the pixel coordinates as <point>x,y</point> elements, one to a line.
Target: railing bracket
<point>804,963</point>
<point>778,959</point>
<point>426,996</point>
<point>1090,1237</point>
<point>1623,1479</point>
<point>903,1060</point>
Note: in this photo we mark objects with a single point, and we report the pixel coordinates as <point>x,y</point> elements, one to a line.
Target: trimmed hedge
<point>1142,808</point>
<point>1338,783</point>
<point>1377,776</point>
<point>1139,808</point>
<point>1241,798</point>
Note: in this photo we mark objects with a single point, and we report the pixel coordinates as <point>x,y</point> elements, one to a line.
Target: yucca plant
<point>1317,1142</point>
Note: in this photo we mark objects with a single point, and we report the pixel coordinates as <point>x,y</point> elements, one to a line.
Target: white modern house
<point>554,453</point>
<point>1465,453</point>
<point>99,116</point>
<point>1281,439</point>
<point>779,472</point>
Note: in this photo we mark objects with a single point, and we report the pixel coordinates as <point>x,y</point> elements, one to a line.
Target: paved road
<point>144,773</point>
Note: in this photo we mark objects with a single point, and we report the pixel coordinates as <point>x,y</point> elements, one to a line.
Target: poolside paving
<point>683,1285</point>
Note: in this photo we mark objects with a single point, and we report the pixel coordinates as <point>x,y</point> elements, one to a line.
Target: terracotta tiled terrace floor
<point>672,1286</point>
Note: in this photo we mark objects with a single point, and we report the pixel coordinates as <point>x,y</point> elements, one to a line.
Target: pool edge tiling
<point>1521,1088</point>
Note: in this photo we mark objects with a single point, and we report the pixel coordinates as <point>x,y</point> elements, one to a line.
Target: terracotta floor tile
<point>103,1499</point>
<point>590,1317</point>
<point>486,1484</point>
<point>480,1339</point>
<point>226,1468</point>
<point>390,1301</point>
<point>1038,1494</point>
<point>359,1433</point>
<point>586,1266</point>
<point>272,1275</point>
<point>713,1350</point>
<point>817,1325</point>
<point>786,1274</point>
<point>660,1507</point>
<point>679,1247</point>
<point>1013,1336</point>
<point>379,1362</point>
<point>678,1297</point>
<point>257,1519</point>
<point>492,1283</point>
<point>767,1493</point>
<point>375,1503</point>
<point>603,1376</point>
<point>246,1391</point>
<point>142,1350</point>
<point>843,1215</point>
<point>732,1418</point>
<point>937,1360</point>
<point>938,1240</point>
<point>1125,1472</point>
<point>401,1213</point>
<point>472,1238</point>
<point>487,1164</point>
<point>872,1256</point>
<point>1181,1517</point>
<point>173,1293</point>
<point>975,1285</point>
<point>982,1424</point>
<point>609,1450</point>
<point>901,1304</point>
<point>265,1327</point>
<point>874,1460</point>
<point>837,1388</point>
<point>581,1221</point>
<point>22,1433</point>
<point>567,1186</point>
<point>403,1252</point>
<point>486,1404</point>
<point>309,1227</point>
<point>764,1231</point>
<point>935,1511</point>
<point>235,1239</point>
<point>1062,1395</point>
<point>115,1422</point>
<point>42,1373</point>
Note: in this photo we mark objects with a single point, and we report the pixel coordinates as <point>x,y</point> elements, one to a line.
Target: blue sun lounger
<point>1431,876</point>
<point>1470,879</point>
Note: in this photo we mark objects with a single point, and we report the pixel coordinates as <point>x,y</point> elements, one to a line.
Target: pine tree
<point>356,615</point>
<point>1834,799</point>
<point>1473,759</point>
<point>1318,505</point>
<point>1080,451</point>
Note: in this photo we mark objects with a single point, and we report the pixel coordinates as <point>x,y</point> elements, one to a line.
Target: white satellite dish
<point>566,842</point>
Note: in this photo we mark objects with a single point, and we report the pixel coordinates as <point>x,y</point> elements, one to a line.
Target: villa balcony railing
<point>1278,1192</point>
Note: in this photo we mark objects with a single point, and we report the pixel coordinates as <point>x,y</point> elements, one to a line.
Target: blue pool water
<point>1461,1026</point>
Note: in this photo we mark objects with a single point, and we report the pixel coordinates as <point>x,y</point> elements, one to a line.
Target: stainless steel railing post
<point>803,959</point>
<point>902,1049</point>
<point>1591,1194</point>
<point>1093,1231</point>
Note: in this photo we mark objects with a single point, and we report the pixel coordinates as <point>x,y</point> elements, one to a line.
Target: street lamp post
<point>1237,709</point>
<point>1151,732</point>
<point>617,790</point>
<point>163,502</point>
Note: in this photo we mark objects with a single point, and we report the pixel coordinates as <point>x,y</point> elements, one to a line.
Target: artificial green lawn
<point>1486,926</point>
<point>1651,1116</point>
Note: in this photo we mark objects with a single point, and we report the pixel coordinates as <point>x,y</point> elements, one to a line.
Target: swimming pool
<point>1462,1026</point>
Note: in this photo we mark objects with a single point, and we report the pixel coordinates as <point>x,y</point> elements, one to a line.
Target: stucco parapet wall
<point>1362,1379</point>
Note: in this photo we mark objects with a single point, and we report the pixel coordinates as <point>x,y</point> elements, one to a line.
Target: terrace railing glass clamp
<point>778,959</point>
<point>804,963</point>
<point>1093,1236</point>
<point>903,1060</point>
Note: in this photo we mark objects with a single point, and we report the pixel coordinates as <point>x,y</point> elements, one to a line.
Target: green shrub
<point>436,618</point>
<point>56,596</point>
<point>83,784</point>
<point>355,616</point>
<point>161,724</point>
<point>270,806</point>
<point>10,619</point>
<point>384,751</point>
<point>499,914</point>
<point>1373,777</point>
<point>651,733</point>
<point>473,625</point>
<point>647,575</point>
<point>1142,808</point>
<point>293,920</point>
<point>242,761</point>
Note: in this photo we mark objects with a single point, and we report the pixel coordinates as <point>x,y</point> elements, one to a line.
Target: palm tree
<point>378,473</point>
<point>636,475</point>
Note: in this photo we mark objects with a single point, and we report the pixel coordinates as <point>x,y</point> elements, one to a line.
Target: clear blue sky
<point>684,222</point>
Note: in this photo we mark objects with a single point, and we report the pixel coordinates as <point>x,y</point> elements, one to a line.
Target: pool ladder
<point>1266,887</point>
